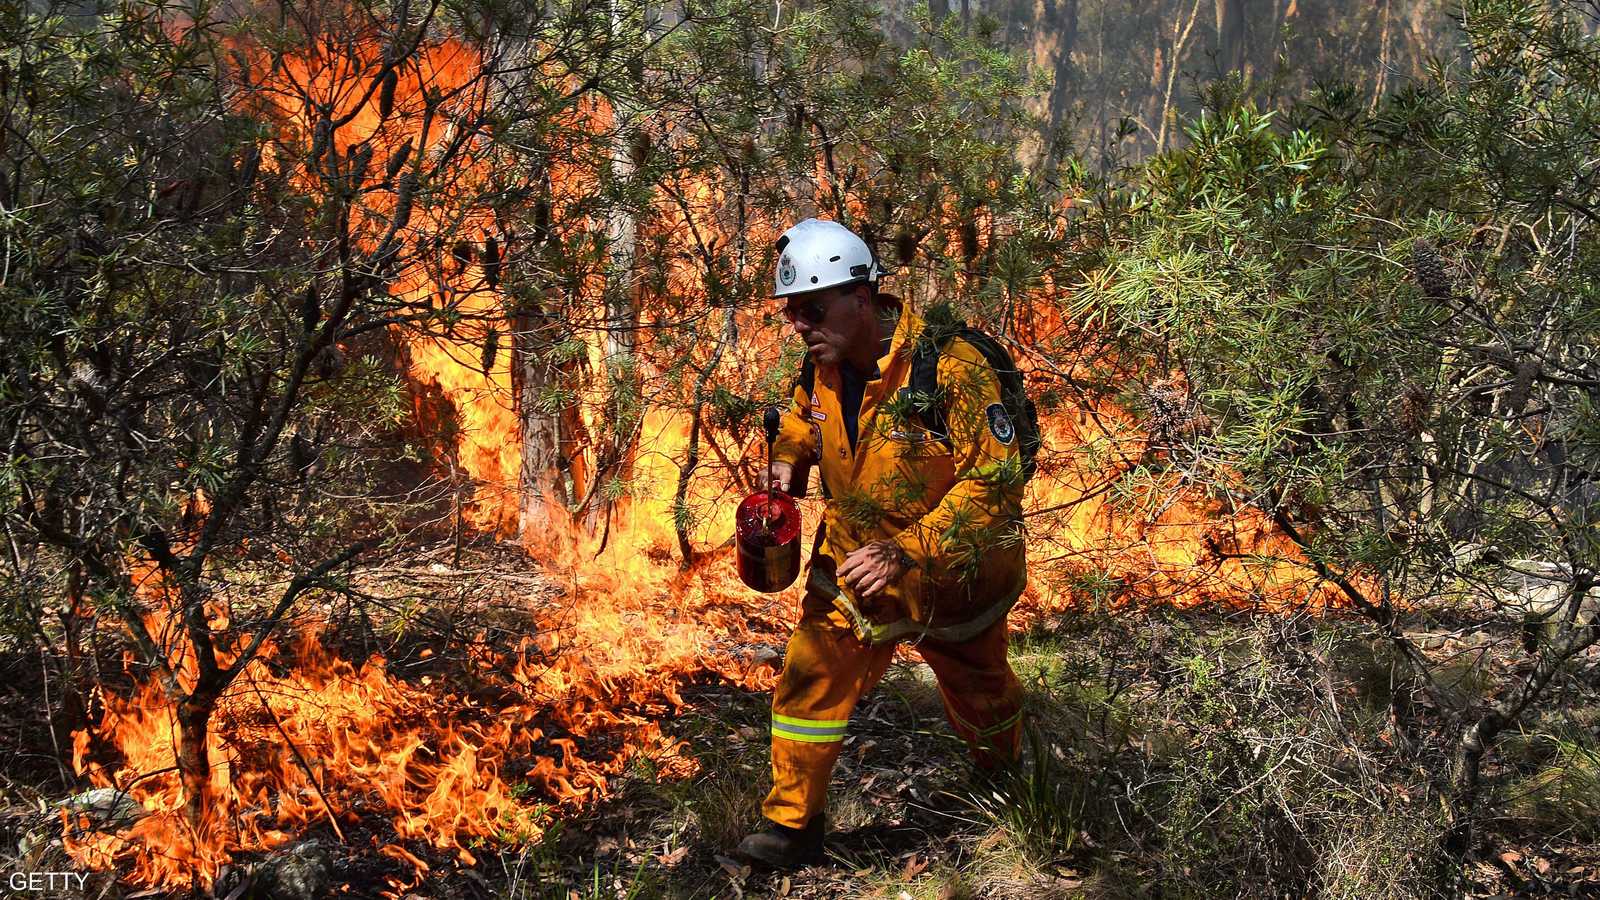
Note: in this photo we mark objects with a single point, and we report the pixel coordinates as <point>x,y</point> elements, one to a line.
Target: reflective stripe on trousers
<point>813,731</point>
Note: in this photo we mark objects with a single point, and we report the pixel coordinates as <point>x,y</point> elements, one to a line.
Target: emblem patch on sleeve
<point>1000,424</point>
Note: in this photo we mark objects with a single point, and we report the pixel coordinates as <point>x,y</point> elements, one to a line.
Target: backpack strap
<point>925,382</point>
<point>925,372</point>
<point>1013,393</point>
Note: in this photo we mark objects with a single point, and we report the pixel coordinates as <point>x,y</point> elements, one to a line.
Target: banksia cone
<point>403,200</point>
<point>747,151</point>
<point>1428,269</point>
<point>330,362</point>
<point>89,386</point>
<point>491,262</point>
<point>301,453</point>
<point>969,239</point>
<point>249,166</point>
<point>1522,386</point>
<point>541,220</point>
<point>640,148</point>
<point>310,309</point>
<point>397,162</point>
<point>241,65</point>
<point>905,247</point>
<point>1174,413</point>
<point>389,79</point>
<point>1409,411</point>
<point>358,166</point>
<point>204,368</point>
<point>1169,408</point>
<point>491,347</point>
<point>321,135</point>
<point>156,544</point>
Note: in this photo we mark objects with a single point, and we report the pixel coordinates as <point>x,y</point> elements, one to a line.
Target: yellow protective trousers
<point>828,668</point>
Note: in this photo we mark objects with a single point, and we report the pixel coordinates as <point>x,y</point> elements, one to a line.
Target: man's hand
<point>868,570</point>
<point>780,475</point>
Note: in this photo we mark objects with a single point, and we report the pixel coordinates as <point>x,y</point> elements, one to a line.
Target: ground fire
<point>307,738</point>
<point>1202,424</point>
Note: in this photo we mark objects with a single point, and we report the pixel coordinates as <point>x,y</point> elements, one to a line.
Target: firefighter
<point>921,540</point>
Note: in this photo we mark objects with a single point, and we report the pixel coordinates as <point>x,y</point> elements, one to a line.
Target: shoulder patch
<point>1000,424</point>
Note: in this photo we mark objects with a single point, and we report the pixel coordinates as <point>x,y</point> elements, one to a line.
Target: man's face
<point>829,321</point>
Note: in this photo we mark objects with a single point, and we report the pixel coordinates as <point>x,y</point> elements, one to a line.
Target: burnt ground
<point>1173,754</point>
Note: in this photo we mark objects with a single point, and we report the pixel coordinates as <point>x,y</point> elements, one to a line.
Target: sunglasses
<point>811,312</point>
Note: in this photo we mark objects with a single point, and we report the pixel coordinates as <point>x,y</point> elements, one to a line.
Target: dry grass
<point>1562,795</point>
<point>1170,755</point>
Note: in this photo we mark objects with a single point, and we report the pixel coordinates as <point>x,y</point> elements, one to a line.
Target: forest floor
<point>1171,753</point>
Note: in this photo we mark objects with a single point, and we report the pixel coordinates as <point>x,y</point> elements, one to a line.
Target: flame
<point>305,736</point>
<point>1161,542</point>
<point>423,769</point>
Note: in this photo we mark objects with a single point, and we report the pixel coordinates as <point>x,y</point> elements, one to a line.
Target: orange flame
<point>306,736</point>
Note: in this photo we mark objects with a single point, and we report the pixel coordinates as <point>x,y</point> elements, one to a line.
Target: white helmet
<point>817,254</point>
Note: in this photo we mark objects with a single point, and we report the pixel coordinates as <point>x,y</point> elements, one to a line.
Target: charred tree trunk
<point>194,764</point>
<point>1062,20</point>
<point>546,465</point>
<point>77,619</point>
<point>1466,780</point>
<point>613,459</point>
<point>1231,35</point>
<point>543,494</point>
<point>630,152</point>
<point>551,470</point>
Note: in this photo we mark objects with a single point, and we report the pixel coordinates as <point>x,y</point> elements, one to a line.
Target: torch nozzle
<point>769,422</point>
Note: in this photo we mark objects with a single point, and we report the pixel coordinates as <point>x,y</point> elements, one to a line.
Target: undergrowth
<point>1167,754</point>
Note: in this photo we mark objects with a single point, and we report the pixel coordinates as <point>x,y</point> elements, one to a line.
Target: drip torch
<point>767,529</point>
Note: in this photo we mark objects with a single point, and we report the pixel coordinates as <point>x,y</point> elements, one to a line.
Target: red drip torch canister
<point>767,532</point>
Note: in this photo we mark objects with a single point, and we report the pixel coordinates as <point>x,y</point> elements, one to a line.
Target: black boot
<point>782,847</point>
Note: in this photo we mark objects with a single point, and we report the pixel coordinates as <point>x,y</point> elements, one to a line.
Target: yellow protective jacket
<point>955,509</point>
